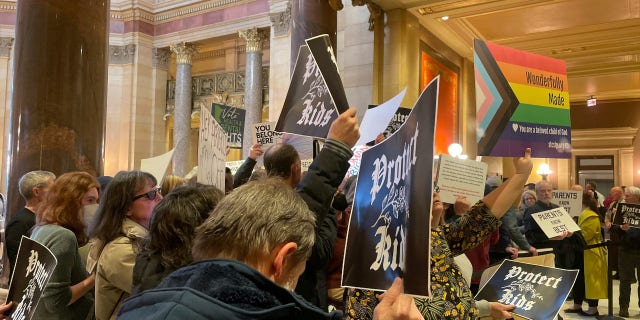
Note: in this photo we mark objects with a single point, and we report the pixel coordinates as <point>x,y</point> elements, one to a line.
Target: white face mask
<point>88,213</point>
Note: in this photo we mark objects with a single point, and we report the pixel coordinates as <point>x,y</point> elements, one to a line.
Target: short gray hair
<point>33,179</point>
<point>254,219</point>
<point>634,192</point>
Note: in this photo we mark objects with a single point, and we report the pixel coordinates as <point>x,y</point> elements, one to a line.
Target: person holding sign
<point>451,297</point>
<point>248,256</point>
<point>244,172</point>
<point>317,188</point>
<point>61,229</point>
<point>629,253</point>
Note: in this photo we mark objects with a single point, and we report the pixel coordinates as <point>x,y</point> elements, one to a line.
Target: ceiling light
<point>444,18</point>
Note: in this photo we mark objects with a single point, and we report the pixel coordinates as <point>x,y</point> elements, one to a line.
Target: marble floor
<point>603,306</point>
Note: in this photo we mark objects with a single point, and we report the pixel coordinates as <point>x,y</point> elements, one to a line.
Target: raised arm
<point>501,199</point>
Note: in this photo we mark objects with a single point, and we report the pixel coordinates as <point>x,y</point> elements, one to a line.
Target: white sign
<point>376,119</point>
<point>234,165</point>
<point>553,222</point>
<point>304,164</point>
<point>458,177</point>
<point>212,150</point>
<point>157,166</point>
<point>264,134</point>
<point>570,200</point>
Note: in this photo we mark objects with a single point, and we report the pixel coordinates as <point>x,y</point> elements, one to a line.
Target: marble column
<point>311,18</point>
<point>6,76</point>
<point>182,111</point>
<point>59,89</point>
<point>252,84</point>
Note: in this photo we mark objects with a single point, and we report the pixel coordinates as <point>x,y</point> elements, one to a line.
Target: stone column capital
<point>5,46</point>
<point>122,54</point>
<point>161,58</point>
<point>281,21</point>
<point>254,37</point>
<point>184,52</point>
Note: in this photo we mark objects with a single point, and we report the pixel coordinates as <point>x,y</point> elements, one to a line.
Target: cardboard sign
<point>397,121</point>
<point>308,109</point>
<point>212,143</point>
<point>553,222</point>
<point>157,166</point>
<point>376,119</point>
<point>320,47</point>
<point>570,200</point>
<point>34,266</point>
<point>458,177</point>
<point>231,119</point>
<point>264,133</point>
<point>537,292</point>
<point>522,100</point>
<point>627,213</point>
<point>388,232</point>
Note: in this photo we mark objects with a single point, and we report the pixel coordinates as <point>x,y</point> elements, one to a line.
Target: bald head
<point>617,193</point>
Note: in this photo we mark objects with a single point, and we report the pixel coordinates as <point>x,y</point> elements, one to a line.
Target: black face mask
<point>339,202</point>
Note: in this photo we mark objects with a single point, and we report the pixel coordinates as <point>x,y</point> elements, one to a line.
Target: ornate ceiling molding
<point>162,15</point>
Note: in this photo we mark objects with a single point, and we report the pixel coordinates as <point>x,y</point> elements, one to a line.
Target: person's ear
<point>280,256</point>
<point>36,192</point>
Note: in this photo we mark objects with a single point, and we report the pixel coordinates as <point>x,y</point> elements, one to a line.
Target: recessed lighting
<point>444,18</point>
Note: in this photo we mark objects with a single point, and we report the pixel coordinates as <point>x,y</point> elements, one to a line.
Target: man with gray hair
<point>33,187</point>
<point>248,256</point>
<point>317,188</point>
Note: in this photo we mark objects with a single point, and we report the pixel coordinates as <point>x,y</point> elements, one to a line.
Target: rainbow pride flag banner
<point>522,100</point>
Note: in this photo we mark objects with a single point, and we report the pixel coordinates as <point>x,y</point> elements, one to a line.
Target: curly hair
<point>174,222</point>
<point>64,201</point>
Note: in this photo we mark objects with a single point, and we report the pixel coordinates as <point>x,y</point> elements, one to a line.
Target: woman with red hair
<point>61,228</point>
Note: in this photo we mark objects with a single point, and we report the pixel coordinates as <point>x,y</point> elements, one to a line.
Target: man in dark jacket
<point>317,188</point>
<point>249,254</point>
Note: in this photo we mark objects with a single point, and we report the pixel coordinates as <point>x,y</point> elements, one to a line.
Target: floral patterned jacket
<point>450,294</point>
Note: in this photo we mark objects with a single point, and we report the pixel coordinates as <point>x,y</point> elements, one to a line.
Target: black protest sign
<point>389,232</point>
<point>308,109</point>
<point>231,119</point>
<point>627,213</point>
<point>322,52</point>
<point>33,269</point>
<point>537,292</point>
<point>398,119</point>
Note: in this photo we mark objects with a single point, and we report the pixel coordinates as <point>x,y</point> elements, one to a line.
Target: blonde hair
<point>171,182</point>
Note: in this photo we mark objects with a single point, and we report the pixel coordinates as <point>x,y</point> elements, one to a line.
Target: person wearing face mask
<point>122,221</point>
<point>60,227</point>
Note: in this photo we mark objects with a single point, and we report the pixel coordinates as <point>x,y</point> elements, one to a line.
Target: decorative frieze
<point>184,52</point>
<point>254,38</point>
<point>161,57</point>
<point>223,87</point>
<point>5,46</point>
<point>281,21</point>
<point>122,54</point>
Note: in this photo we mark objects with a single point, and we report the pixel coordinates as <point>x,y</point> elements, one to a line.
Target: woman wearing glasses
<point>121,222</point>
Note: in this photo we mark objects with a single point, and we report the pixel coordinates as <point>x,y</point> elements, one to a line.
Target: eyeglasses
<point>151,195</point>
